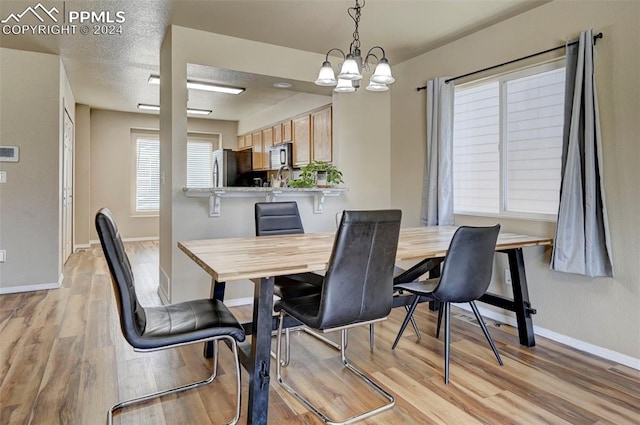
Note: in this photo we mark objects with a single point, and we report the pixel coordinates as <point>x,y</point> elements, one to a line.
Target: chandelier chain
<point>355,13</point>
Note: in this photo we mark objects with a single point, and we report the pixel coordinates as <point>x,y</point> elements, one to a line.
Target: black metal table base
<point>256,357</point>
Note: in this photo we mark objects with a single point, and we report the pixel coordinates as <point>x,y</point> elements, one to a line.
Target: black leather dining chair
<point>466,275</point>
<point>169,326</point>
<point>357,290</point>
<point>283,218</point>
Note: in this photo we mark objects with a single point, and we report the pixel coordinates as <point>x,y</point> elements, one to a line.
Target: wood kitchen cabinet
<point>277,134</point>
<point>302,140</point>
<point>242,141</point>
<point>256,139</point>
<point>287,132</point>
<point>267,142</point>
<point>322,135</point>
<point>311,134</point>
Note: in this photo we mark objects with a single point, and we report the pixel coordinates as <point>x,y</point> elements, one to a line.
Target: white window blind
<point>535,117</point>
<point>147,175</point>
<point>147,185</point>
<point>199,164</point>
<point>508,143</point>
<point>476,129</point>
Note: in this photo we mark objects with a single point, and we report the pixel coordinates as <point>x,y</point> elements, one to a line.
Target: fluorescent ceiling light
<point>198,111</point>
<point>203,85</point>
<point>194,111</point>
<point>148,107</point>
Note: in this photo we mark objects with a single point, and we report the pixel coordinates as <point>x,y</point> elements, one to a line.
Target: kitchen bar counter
<point>268,193</point>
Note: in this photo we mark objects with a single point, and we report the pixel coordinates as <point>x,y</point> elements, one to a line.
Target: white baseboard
<point>604,353</point>
<point>29,288</point>
<point>163,297</point>
<point>141,239</point>
<point>78,246</point>
<point>236,302</point>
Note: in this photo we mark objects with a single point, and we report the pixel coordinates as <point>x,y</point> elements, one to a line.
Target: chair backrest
<point>467,268</point>
<point>277,218</point>
<point>358,285</point>
<point>132,315</point>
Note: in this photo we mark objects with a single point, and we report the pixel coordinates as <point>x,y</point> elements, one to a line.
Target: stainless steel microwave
<point>280,154</point>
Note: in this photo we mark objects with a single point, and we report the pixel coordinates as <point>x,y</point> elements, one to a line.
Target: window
<point>147,175</point>
<point>199,163</point>
<point>147,167</point>
<point>507,143</point>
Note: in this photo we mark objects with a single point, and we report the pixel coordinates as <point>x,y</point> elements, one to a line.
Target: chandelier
<point>351,72</point>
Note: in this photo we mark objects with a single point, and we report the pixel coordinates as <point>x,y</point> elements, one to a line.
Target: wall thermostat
<point>9,154</point>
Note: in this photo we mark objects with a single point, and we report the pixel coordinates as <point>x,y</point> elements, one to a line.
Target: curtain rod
<point>595,37</point>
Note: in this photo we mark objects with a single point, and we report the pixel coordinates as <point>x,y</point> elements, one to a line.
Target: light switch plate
<point>507,276</point>
<point>3,176</point>
<point>3,256</point>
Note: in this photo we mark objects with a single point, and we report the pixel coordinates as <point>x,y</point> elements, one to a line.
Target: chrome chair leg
<point>343,348</point>
<point>186,387</point>
<point>287,350</point>
<point>321,338</point>
<point>287,355</point>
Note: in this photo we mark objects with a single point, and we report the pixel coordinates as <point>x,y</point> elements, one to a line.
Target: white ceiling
<point>111,71</point>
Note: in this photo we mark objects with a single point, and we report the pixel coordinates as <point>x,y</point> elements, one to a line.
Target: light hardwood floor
<point>63,361</point>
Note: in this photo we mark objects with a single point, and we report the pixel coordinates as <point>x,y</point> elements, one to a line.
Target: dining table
<point>260,259</point>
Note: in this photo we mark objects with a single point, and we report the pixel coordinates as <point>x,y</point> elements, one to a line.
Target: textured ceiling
<point>111,71</point>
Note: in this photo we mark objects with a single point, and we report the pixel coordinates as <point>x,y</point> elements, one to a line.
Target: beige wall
<point>602,312</point>
<point>361,142</point>
<point>111,166</point>
<point>30,113</point>
<point>82,178</point>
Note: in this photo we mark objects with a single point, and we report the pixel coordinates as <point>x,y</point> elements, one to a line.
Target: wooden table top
<point>229,259</point>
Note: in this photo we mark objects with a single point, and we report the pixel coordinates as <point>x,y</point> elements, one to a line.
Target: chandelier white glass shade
<point>354,64</point>
<point>382,74</point>
<point>344,86</point>
<point>373,86</point>
<point>350,69</point>
<point>326,77</point>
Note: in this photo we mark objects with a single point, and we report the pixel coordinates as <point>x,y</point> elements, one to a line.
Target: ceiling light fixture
<point>194,111</point>
<point>351,72</point>
<point>147,107</point>
<point>203,85</point>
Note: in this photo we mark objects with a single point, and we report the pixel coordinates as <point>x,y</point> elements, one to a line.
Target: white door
<point>67,189</point>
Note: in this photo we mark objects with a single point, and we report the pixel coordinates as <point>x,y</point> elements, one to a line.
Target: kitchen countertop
<point>261,190</point>
<point>269,193</point>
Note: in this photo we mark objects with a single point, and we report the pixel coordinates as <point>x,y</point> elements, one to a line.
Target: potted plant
<point>318,173</point>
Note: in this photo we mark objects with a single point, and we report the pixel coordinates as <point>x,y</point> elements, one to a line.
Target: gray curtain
<point>437,196</point>
<point>582,234</point>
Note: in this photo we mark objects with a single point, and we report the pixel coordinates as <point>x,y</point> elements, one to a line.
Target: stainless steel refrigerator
<point>231,167</point>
